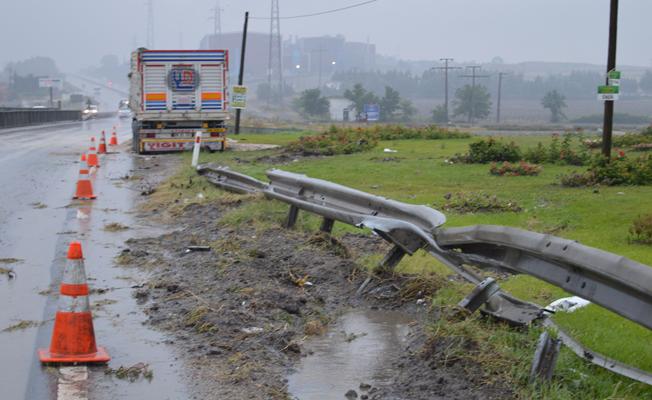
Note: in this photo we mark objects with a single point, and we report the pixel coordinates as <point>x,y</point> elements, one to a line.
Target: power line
<point>322,12</point>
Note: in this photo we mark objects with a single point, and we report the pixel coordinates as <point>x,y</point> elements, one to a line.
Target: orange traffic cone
<point>102,148</point>
<point>73,337</point>
<point>84,186</point>
<point>91,158</point>
<point>114,138</point>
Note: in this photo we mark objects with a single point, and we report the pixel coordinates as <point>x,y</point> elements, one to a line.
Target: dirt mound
<point>240,311</point>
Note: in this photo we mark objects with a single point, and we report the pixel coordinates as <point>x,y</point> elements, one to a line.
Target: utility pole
<point>243,50</point>
<point>150,24</point>
<point>607,127</point>
<point>500,89</point>
<point>275,62</point>
<point>445,68</point>
<point>217,19</point>
<point>473,77</point>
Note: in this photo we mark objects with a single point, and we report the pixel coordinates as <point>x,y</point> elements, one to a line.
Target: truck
<point>175,93</point>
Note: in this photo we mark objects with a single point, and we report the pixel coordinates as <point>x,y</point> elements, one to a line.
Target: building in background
<point>307,62</point>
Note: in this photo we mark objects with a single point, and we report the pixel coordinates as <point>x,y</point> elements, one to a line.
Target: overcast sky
<point>76,33</point>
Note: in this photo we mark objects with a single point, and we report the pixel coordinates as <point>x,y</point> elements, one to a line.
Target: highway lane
<point>38,171</point>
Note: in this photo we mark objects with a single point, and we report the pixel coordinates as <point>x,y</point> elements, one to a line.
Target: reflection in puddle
<point>357,349</point>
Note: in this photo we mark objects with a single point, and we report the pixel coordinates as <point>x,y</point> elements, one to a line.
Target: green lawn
<point>417,174</point>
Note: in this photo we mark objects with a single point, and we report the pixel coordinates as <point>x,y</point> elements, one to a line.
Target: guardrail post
<point>392,258</point>
<point>545,357</point>
<point>327,225</point>
<point>480,295</point>
<point>292,217</point>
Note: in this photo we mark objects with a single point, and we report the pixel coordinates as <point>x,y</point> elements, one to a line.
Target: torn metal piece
<point>197,248</point>
<point>545,357</point>
<point>614,282</point>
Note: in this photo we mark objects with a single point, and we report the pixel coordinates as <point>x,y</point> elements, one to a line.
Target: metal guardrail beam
<point>17,118</point>
<point>615,282</point>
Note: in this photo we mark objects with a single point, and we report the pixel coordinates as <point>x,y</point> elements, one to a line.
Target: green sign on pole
<point>608,93</point>
<point>613,74</point>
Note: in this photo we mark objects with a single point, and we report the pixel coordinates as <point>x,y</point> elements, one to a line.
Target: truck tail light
<point>150,135</point>
<point>215,134</point>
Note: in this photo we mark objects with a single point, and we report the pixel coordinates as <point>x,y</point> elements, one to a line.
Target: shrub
<point>641,229</point>
<point>335,142</point>
<point>620,170</point>
<point>489,150</point>
<point>429,132</point>
<point>515,169</point>
<point>631,139</point>
<point>642,147</point>
<point>537,155</point>
<point>477,202</point>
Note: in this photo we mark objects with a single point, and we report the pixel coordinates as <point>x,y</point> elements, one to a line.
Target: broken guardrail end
<point>480,295</point>
<point>197,248</point>
<point>545,357</point>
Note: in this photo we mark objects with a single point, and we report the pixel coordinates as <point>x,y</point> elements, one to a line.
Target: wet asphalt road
<point>38,219</point>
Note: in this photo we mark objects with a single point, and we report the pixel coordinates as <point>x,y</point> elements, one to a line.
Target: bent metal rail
<point>614,282</point>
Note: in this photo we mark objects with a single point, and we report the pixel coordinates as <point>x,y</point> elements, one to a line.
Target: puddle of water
<point>341,361</point>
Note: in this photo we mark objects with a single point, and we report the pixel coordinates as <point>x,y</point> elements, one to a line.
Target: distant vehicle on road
<point>90,111</point>
<point>175,93</point>
<point>123,109</point>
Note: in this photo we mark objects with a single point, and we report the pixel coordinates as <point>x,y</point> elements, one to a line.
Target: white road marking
<point>73,383</point>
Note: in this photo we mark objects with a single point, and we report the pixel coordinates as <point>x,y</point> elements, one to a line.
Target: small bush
<point>642,147</point>
<point>491,150</point>
<point>536,155</point>
<point>641,229</point>
<point>631,139</point>
<point>399,132</point>
<point>620,170</point>
<point>515,169</point>
<point>335,142</point>
<point>477,202</point>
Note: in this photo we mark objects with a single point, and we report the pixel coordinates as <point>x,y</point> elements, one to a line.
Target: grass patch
<point>22,325</point>
<point>115,227</point>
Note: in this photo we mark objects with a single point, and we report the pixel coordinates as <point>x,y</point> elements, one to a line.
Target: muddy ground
<point>240,312</point>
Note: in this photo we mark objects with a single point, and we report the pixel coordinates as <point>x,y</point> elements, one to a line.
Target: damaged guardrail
<point>614,282</point>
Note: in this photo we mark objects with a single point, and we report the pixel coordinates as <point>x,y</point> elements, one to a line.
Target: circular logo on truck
<point>183,79</point>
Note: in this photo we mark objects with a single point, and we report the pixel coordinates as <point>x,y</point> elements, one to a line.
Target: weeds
<point>521,168</point>
<point>641,229</point>
<point>477,202</point>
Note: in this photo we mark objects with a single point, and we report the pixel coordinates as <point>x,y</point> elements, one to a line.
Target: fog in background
<point>77,33</point>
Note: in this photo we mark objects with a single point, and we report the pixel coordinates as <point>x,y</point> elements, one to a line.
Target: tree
<point>389,104</point>
<point>408,110</point>
<point>646,82</point>
<point>311,103</point>
<point>473,102</point>
<point>555,102</point>
<point>359,96</point>
<point>439,114</point>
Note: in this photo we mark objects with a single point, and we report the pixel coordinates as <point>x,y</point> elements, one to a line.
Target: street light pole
<point>607,128</point>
